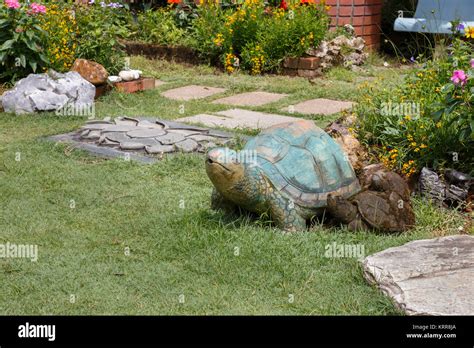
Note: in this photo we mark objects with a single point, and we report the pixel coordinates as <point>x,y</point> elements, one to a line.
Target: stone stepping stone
<point>117,137</point>
<point>251,99</point>
<point>91,134</point>
<point>125,122</point>
<point>130,145</point>
<point>148,124</point>
<point>118,128</point>
<point>158,149</point>
<point>427,277</point>
<point>184,132</point>
<point>187,145</point>
<point>319,107</point>
<point>201,137</point>
<point>191,92</point>
<point>239,118</point>
<point>170,138</point>
<point>145,133</point>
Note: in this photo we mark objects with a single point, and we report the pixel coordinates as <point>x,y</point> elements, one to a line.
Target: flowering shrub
<point>158,27</point>
<point>100,27</point>
<point>60,25</point>
<point>259,37</point>
<point>21,39</point>
<point>428,120</point>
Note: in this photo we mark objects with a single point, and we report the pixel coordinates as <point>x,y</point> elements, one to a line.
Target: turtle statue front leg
<point>285,214</point>
<point>218,202</point>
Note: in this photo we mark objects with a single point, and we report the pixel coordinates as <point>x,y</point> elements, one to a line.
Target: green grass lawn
<point>179,248</point>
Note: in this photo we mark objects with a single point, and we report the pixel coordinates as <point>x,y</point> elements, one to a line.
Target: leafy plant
<point>158,27</point>
<point>22,40</point>
<point>257,35</point>
<point>60,25</point>
<point>100,29</point>
<point>426,121</point>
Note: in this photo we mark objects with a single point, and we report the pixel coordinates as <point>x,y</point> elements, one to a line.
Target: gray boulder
<point>427,277</point>
<point>48,92</point>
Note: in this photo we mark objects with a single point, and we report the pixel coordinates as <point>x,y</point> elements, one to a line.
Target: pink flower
<point>37,8</point>
<point>12,4</point>
<point>472,63</point>
<point>459,77</point>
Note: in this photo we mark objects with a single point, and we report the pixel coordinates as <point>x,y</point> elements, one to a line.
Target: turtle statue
<point>287,171</point>
<point>384,204</point>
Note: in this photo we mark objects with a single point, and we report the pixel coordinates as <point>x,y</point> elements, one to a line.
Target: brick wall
<point>364,15</point>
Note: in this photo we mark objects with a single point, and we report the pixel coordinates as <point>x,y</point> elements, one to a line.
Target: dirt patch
<point>179,54</point>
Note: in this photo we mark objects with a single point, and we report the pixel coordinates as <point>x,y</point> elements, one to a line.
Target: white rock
<point>130,75</point>
<point>48,92</point>
<point>114,79</point>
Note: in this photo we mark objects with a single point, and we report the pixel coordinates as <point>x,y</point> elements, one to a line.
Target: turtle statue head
<point>224,169</point>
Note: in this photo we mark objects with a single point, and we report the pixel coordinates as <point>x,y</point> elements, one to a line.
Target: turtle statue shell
<point>304,162</point>
<point>288,170</point>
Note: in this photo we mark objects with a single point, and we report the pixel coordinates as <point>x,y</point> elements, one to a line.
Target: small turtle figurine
<point>385,206</point>
<point>287,171</point>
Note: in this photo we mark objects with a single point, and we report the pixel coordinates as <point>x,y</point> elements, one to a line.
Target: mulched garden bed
<point>178,54</point>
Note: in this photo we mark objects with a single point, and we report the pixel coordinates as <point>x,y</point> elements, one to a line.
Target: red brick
<point>129,86</point>
<point>309,73</point>
<point>374,19</point>
<point>355,21</point>
<point>309,63</point>
<point>353,2</point>
<point>148,83</point>
<point>372,39</point>
<point>291,63</point>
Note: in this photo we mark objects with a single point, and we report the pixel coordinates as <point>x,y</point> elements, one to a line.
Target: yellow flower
<point>438,125</point>
<point>469,32</point>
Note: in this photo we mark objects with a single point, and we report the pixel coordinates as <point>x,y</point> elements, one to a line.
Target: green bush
<point>100,29</point>
<point>428,120</point>
<point>22,41</point>
<point>158,27</point>
<point>256,36</point>
<point>205,32</point>
<point>291,33</point>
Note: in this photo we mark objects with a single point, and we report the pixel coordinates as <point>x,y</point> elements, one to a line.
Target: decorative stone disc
<point>157,149</point>
<point>145,133</point>
<point>170,138</point>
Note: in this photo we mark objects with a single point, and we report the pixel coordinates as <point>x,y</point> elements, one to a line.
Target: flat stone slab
<point>239,118</point>
<point>319,106</point>
<point>191,92</point>
<point>427,277</point>
<point>143,138</point>
<point>251,99</point>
